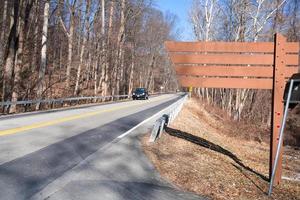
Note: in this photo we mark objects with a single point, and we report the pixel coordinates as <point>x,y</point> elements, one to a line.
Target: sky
<point>180,9</point>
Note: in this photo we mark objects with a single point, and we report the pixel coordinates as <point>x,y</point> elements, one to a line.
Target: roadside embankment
<point>197,154</point>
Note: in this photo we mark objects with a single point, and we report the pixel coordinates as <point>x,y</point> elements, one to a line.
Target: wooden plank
<point>222,59</point>
<point>224,71</point>
<point>200,82</point>
<point>227,47</point>
<point>292,60</point>
<point>233,59</point>
<point>292,47</point>
<point>259,47</point>
<point>289,71</point>
<point>253,71</point>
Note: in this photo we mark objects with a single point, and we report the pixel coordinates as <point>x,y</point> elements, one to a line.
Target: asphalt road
<point>81,153</point>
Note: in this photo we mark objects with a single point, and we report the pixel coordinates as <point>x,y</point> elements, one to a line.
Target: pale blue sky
<point>179,8</point>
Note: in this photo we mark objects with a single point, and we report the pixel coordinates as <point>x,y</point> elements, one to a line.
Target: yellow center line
<point>64,119</point>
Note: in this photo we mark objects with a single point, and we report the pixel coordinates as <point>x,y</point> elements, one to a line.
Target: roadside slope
<point>228,168</point>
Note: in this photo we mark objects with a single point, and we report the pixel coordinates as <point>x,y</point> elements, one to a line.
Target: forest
<point>69,48</point>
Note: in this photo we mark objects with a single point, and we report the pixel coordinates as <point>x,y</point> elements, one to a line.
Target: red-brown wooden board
<point>230,59</point>
<point>238,83</point>
<point>231,71</point>
<point>228,47</point>
<point>225,47</point>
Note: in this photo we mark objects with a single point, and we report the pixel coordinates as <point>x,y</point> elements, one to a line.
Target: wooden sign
<point>241,65</point>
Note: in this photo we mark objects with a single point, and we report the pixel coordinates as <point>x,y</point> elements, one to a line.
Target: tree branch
<point>64,27</point>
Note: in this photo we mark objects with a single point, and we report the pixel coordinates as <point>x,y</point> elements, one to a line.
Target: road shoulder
<point>119,171</point>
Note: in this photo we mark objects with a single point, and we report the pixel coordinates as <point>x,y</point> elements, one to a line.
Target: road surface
<point>81,153</point>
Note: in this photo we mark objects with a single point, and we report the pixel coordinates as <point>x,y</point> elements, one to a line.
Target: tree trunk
<point>10,54</point>
<point>82,50</point>
<point>107,52</point>
<point>88,71</point>
<point>95,76</point>
<point>70,53</point>
<point>70,36</point>
<point>150,76</point>
<point>131,71</point>
<point>42,69</point>
<point>2,36</point>
<point>34,62</point>
<point>22,28</point>
<point>120,42</point>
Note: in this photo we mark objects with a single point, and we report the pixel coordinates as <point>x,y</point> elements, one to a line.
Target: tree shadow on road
<point>209,145</point>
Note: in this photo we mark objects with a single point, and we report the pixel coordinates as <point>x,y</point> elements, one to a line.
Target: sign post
<point>277,104</point>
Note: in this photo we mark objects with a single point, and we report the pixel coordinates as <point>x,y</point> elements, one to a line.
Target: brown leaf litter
<point>202,159</point>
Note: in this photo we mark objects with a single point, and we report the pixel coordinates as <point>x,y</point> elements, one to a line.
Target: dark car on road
<point>140,93</point>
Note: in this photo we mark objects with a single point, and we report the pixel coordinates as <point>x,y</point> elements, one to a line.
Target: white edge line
<point>148,119</point>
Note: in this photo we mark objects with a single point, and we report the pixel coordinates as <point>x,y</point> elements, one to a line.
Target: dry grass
<point>210,173</point>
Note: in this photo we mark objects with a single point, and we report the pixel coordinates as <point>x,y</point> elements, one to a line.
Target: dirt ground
<point>197,156</point>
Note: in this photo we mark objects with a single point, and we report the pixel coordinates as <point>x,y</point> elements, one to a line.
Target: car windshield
<point>140,90</point>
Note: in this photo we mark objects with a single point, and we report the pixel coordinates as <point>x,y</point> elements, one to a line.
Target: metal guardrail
<point>169,114</point>
<point>55,103</point>
<point>61,101</point>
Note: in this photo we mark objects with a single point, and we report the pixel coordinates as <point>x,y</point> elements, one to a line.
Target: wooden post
<point>277,105</point>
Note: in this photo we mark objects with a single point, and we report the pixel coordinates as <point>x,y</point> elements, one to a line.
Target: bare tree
<point>10,52</point>
<point>42,69</point>
<point>70,35</point>
<point>2,34</point>
<point>86,31</point>
<point>202,17</point>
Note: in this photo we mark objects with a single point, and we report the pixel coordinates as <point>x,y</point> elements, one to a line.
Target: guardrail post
<point>154,131</point>
<point>25,107</point>
<point>162,126</point>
